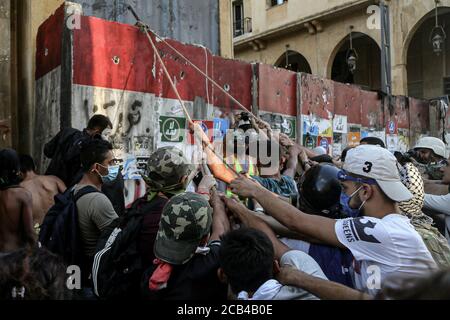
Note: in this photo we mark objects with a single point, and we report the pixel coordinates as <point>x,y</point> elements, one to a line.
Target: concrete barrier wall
<point>110,68</point>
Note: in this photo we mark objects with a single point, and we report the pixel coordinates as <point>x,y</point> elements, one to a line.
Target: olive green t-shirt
<point>95,212</point>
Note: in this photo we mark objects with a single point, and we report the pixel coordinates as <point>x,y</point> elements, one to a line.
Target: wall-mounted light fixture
<point>438,35</point>
<point>352,55</point>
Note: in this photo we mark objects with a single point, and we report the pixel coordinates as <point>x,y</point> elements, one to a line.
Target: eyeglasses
<point>344,176</point>
<point>443,162</point>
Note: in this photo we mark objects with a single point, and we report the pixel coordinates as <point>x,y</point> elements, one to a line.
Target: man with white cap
<point>430,149</point>
<point>382,241</point>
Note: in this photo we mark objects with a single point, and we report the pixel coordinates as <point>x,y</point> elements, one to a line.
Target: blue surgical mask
<point>113,172</point>
<point>345,203</point>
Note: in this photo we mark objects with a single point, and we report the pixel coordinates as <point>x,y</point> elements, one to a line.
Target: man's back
<point>95,213</point>
<point>64,154</point>
<point>43,190</point>
<point>16,223</point>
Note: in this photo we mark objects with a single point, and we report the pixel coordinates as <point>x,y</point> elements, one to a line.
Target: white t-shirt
<point>383,248</point>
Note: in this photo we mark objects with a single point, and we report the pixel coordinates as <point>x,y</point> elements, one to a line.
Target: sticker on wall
<point>392,127</point>
<point>289,127</point>
<point>353,139</point>
<point>220,128</point>
<point>172,129</point>
<point>340,124</point>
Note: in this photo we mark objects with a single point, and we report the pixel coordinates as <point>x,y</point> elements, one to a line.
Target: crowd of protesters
<point>369,224</point>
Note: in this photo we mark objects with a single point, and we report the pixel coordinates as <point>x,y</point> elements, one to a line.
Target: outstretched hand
<point>197,129</point>
<point>245,187</point>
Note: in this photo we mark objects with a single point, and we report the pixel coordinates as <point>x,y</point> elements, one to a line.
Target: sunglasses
<point>443,162</point>
<point>342,175</point>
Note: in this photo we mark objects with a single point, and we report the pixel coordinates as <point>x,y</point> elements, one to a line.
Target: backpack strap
<point>84,191</point>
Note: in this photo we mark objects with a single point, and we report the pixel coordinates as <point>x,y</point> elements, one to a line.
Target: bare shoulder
<point>21,193</point>
<point>53,179</point>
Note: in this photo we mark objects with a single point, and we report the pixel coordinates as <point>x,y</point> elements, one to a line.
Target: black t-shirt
<point>150,226</point>
<point>195,280</point>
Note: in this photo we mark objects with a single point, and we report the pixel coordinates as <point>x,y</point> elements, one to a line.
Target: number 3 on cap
<point>368,167</point>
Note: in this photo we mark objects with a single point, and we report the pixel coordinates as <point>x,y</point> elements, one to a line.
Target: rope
<point>208,145</point>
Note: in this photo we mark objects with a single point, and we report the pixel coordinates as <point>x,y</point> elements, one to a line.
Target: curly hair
<point>32,274</point>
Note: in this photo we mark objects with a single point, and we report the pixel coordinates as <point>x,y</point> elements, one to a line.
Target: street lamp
<point>352,55</point>
<point>438,35</point>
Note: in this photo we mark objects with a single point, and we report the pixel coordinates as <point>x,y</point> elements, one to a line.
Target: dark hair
<point>94,151</point>
<point>99,121</point>
<point>246,257</point>
<point>32,274</point>
<point>26,163</point>
<point>344,153</point>
<point>434,287</point>
<point>374,141</point>
<point>9,168</point>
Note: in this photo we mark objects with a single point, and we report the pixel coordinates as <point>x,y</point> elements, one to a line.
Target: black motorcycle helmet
<point>320,191</point>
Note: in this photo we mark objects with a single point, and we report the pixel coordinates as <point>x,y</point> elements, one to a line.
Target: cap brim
<point>175,252</point>
<point>395,190</point>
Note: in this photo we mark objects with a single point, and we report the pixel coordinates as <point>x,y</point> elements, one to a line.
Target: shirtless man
<point>42,188</point>
<point>16,217</point>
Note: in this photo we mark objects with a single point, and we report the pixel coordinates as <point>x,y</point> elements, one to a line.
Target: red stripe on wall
<point>235,76</point>
<point>49,43</point>
<point>277,90</point>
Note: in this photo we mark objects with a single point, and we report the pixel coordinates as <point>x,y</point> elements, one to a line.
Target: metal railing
<point>241,27</point>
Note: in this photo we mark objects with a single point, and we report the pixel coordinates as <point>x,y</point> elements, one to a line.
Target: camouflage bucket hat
<point>185,221</point>
<point>166,167</point>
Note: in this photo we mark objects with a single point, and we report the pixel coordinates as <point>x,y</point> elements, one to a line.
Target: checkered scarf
<point>412,179</point>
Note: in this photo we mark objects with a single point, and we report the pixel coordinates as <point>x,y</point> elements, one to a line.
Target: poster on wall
<point>392,142</point>
<point>353,135</point>
<point>286,124</point>
<point>289,127</point>
<point>337,144</point>
<point>378,134</point>
<point>353,139</point>
<point>310,126</point>
<point>340,124</point>
<point>392,127</point>
<point>220,128</point>
<point>325,143</point>
<point>326,128</point>
<point>172,129</point>
<point>309,141</point>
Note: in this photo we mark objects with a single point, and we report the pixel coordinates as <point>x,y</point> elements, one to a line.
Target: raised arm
<point>249,220</point>
<point>320,228</point>
<point>323,289</point>
<point>221,223</point>
<point>218,169</point>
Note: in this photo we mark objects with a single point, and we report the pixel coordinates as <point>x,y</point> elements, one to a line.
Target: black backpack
<point>60,231</point>
<point>117,269</point>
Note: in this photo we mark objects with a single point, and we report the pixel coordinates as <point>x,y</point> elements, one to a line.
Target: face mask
<point>345,202</point>
<point>113,172</point>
